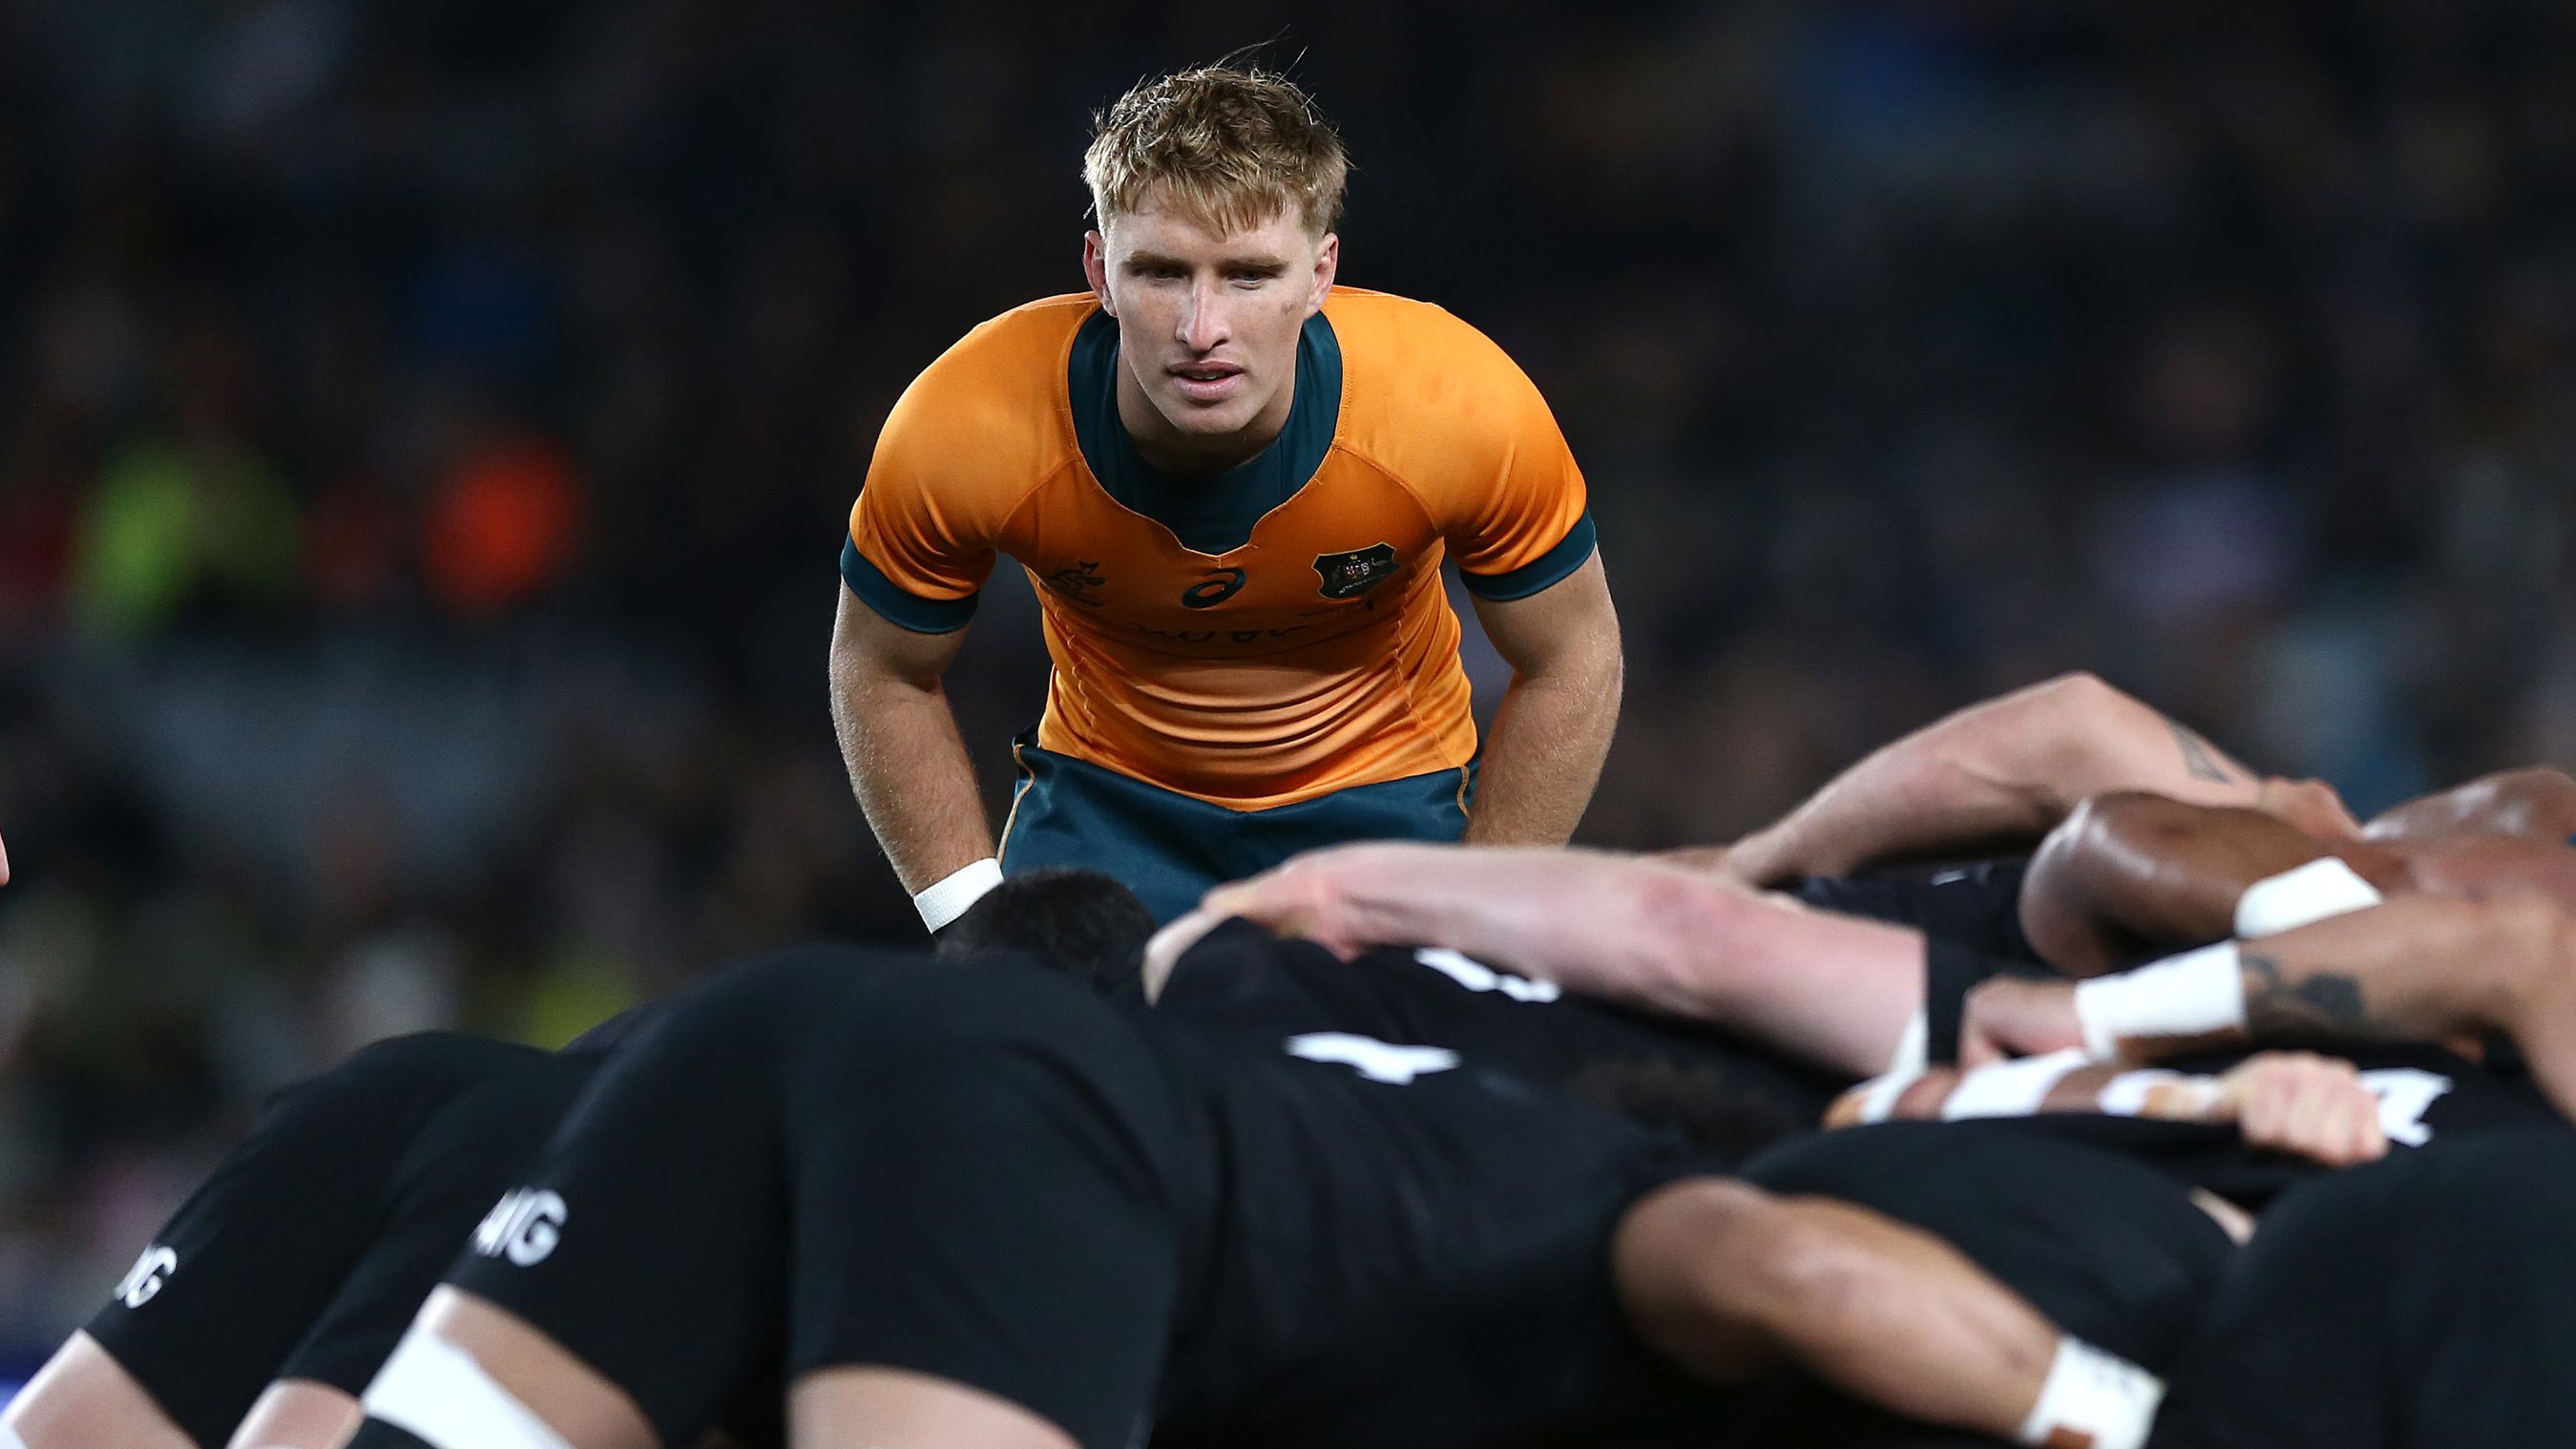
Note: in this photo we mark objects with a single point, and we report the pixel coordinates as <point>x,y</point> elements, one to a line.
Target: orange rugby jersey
<point>1265,636</point>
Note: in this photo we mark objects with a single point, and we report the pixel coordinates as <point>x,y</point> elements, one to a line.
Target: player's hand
<point>2012,1016</point>
<point>2310,807</point>
<point>2305,1105</point>
<point>1306,897</point>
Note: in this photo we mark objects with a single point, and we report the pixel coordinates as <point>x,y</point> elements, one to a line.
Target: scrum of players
<point>2175,1107</point>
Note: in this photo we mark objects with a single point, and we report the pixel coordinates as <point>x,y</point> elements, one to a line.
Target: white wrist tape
<point>2299,897</point>
<point>948,899</point>
<point>2010,1089</point>
<point>2092,1400</point>
<point>2198,993</point>
<point>437,1393</point>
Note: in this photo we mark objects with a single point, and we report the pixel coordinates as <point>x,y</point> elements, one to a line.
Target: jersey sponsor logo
<point>1477,976</point>
<point>1219,586</point>
<point>523,1227</point>
<point>1349,575</point>
<point>143,1281</point>
<point>1376,1060</point>
<point>1077,581</point>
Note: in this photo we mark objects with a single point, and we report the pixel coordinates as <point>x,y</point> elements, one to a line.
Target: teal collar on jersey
<point>1208,515</point>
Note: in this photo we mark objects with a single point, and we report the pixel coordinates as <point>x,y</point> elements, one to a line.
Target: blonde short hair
<point>1228,148</point>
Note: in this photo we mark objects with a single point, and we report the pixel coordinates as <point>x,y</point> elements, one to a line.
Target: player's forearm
<point>1543,755</point>
<point>2132,872</point>
<point>1995,775</point>
<point>909,769</point>
<point>1726,1282</point>
<point>1832,990</point>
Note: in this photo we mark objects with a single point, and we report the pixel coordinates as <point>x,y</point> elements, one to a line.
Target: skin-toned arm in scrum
<point>1729,1281</point>
<point>1552,731</point>
<point>1832,990</point>
<point>2001,774</point>
<point>899,740</point>
<point>2418,968</point>
<point>2133,875</point>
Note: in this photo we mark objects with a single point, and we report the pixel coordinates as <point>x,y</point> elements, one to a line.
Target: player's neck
<point>1176,454</point>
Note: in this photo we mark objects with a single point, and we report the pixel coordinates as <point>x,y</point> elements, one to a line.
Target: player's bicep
<point>870,648</point>
<point>1569,624</point>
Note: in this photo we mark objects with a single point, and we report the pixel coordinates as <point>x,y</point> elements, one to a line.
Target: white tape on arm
<point>2302,896</point>
<point>2198,993</point>
<point>2010,1089</point>
<point>437,1393</point>
<point>948,899</point>
<point>2094,1399</point>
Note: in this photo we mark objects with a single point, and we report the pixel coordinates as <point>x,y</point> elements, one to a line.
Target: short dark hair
<point>1079,921</point>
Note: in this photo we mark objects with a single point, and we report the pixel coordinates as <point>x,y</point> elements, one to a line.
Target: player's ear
<point>1328,264</point>
<point>1095,267</point>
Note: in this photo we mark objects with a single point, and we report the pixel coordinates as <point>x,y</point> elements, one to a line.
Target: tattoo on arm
<point>2199,756</point>
<point>2323,1005</point>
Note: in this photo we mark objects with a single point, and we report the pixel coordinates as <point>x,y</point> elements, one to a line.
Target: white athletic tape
<point>2299,897</point>
<point>2198,993</point>
<point>2094,1400</point>
<point>436,1392</point>
<point>2010,1089</point>
<point>9,1438</point>
<point>1913,1050</point>
<point>948,898</point>
<point>1878,1097</point>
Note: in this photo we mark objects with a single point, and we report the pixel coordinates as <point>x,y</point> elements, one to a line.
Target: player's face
<point>1207,326</point>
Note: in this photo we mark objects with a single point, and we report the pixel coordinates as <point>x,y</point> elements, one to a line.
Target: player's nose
<point>1202,320</point>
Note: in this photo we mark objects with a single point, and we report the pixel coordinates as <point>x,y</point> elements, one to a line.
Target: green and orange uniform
<point>1246,665</point>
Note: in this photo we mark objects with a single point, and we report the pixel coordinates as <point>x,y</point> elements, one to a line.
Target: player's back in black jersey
<point>1734,1097</point>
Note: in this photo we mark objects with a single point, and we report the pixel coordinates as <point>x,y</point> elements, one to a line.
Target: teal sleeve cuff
<point>897,607</point>
<point>1540,573</point>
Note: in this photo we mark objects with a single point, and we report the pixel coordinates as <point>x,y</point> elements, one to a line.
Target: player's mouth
<point>1206,382</point>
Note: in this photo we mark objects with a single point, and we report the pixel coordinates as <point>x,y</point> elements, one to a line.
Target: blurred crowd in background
<point>427,428</point>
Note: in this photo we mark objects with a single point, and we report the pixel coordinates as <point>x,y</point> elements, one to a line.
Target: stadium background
<point>428,426</point>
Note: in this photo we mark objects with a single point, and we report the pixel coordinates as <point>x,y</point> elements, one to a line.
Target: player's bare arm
<point>2309,1106</point>
<point>2001,774</point>
<point>2130,875</point>
<point>1833,990</point>
<point>2418,968</point>
<point>899,740</point>
<point>1553,729</point>
<point>1727,1280</point>
<point>2537,803</point>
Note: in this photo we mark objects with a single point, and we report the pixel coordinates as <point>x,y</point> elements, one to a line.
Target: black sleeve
<point>1950,972</point>
<point>1976,905</point>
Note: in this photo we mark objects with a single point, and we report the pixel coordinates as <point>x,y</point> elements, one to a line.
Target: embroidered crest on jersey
<point>1349,575</point>
<point>1076,582</point>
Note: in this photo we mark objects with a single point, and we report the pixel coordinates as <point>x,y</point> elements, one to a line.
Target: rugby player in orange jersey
<point>1234,483</point>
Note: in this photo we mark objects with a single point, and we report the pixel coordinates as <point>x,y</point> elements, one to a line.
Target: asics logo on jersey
<point>1219,586</point>
<point>1376,1060</point>
<point>144,1279</point>
<point>523,1227</point>
<point>1477,976</point>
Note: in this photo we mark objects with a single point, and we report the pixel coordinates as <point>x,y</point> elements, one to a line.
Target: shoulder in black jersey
<point>1731,1096</point>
